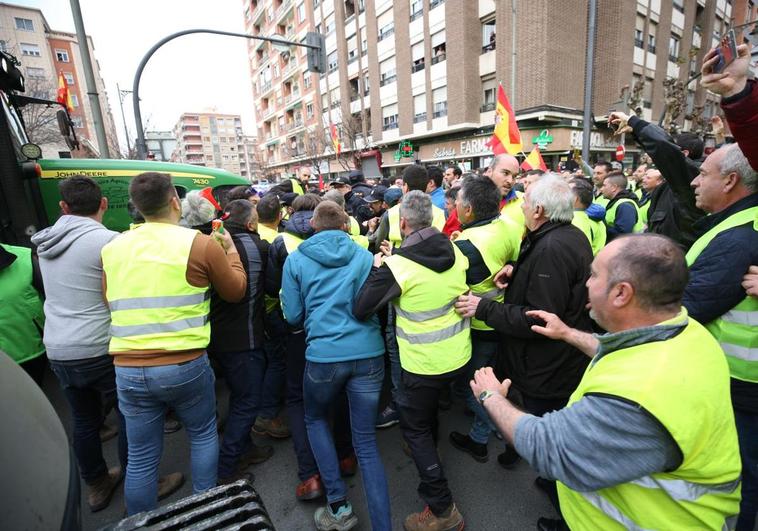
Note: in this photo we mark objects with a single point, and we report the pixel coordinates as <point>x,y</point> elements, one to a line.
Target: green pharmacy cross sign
<point>404,151</point>
<point>543,139</point>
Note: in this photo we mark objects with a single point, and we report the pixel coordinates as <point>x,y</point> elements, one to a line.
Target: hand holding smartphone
<point>726,51</point>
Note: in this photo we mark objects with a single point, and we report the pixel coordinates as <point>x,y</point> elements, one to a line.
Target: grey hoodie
<point>77,320</point>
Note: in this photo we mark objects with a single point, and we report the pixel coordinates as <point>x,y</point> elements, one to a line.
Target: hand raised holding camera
<point>732,79</point>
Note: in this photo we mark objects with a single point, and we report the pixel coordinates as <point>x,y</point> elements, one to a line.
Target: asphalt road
<point>488,496</point>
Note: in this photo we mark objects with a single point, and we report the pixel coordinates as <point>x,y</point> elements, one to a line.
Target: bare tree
<point>40,120</point>
<point>350,132</point>
<point>313,147</point>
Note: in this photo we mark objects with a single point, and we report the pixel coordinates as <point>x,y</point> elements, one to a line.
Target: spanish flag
<point>64,98</point>
<point>506,137</point>
<point>336,141</point>
<point>534,161</point>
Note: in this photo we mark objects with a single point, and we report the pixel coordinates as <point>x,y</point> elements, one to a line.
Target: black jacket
<point>550,275</point>
<point>715,284</point>
<point>238,326</point>
<point>298,225</point>
<point>672,209</point>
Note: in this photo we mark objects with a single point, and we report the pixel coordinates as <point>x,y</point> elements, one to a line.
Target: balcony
<point>435,3</point>
<point>387,80</point>
<point>488,47</point>
<point>440,111</point>
<point>265,88</point>
<point>418,67</point>
<point>390,125</point>
<point>417,14</point>
<point>439,58</point>
<point>488,106</point>
<point>419,117</point>
<point>282,11</point>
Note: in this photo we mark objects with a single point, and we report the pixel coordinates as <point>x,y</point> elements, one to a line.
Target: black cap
<point>355,176</point>
<point>377,194</point>
<point>341,181</point>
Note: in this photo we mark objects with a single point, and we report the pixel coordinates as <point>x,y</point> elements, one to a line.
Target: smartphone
<point>218,226</point>
<point>726,51</point>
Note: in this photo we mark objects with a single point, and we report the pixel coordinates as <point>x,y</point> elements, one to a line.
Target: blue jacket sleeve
<point>291,298</point>
<point>716,276</point>
<point>626,217</point>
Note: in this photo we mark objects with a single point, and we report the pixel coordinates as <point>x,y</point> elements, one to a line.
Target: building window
<point>679,5</point>
<point>389,117</point>
<point>439,102</point>
<point>61,56</point>
<point>30,49</point>
<point>24,24</point>
<point>307,80</point>
<point>33,72</point>
<point>488,36</point>
<point>69,78</point>
<point>489,87</point>
<point>386,31</point>
<point>673,49</point>
<point>387,72</point>
<point>74,100</point>
<point>329,24</point>
<point>435,3</point>
<point>301,12</point>
<point>651,37</point>
<point>332,61</point>
<point>419,108</point>
<point>439,50</point>
<point>309,110</point>
<point>639,32</point>
<point>417,57</point>
<point>417,9</point>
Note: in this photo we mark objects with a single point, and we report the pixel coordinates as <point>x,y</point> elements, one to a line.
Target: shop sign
<point>404,151</point>
<point>543,139</point>
<point>597,140</point>
<point>443,153</point>
<point>475,147</point>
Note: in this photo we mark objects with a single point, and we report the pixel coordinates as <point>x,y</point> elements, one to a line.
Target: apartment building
<point>212,139</point>
<point>249,157</point>
<point>416,80</point>
<point>44,53</point>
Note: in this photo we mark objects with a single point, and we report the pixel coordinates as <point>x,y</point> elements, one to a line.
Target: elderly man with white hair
<point>551,272</point>
<point>727,188</point>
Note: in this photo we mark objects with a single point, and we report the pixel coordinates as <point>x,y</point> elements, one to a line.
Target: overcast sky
<point>188,74</point>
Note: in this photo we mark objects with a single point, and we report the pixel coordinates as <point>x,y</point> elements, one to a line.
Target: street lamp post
<point>121,96</point>
<point>316,63</point>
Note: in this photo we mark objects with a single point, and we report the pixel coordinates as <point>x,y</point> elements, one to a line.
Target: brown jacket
<point>207,265</point>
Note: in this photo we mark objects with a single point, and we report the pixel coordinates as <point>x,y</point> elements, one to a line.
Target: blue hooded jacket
<point>320,280</point>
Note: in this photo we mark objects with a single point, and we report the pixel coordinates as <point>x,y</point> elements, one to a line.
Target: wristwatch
<point>484,395</point>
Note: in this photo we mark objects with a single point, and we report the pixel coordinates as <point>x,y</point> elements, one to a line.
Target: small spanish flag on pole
<point>534,161</point>
<point>336,141</point>
<point>64,98</point>
<point>506,137</point>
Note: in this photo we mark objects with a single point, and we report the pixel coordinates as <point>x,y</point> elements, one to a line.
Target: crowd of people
<point>602,323</point>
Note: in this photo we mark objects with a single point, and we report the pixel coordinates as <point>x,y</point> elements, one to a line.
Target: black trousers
<point>417,406</point>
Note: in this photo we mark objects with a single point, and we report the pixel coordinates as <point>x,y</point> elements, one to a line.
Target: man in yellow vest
<point>622,215</point>
<point>599,172</point>
<point>156,280</point>
<point>588,216</point>
<point>415,177</point>
<point>648,439</point>
<point>488,241</point>
<point>651,180</point>
<point>422,280</point>
<point>727,188</point>
<point>503,171</point>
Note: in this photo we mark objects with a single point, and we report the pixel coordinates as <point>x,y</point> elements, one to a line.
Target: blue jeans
<point>276,371</point>
<point>362,379</point>
<point>482,355</point>
<point>243,372</point>
<point>747,433</point>
<point>144,394</point>
<point>90,388</point>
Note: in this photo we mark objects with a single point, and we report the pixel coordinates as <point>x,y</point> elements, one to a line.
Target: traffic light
<point>316,56</point>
